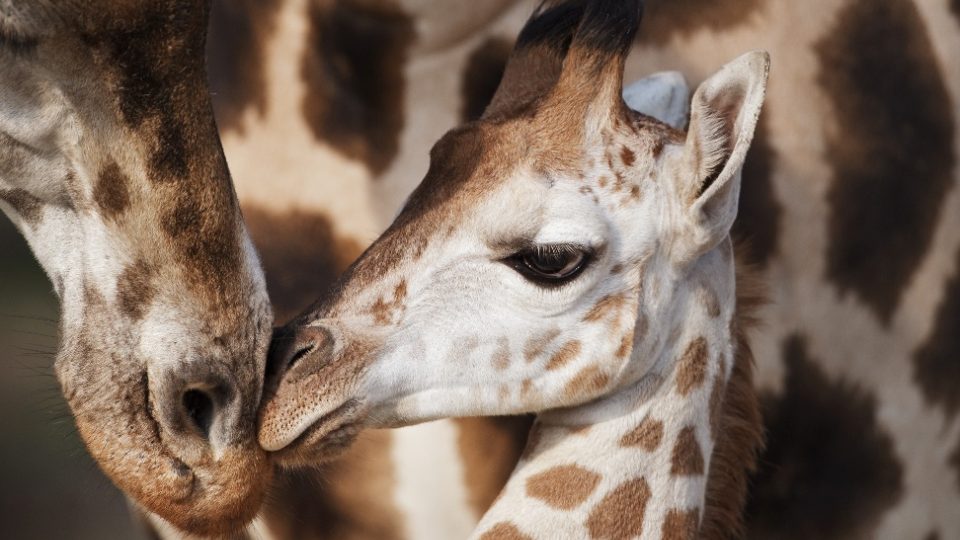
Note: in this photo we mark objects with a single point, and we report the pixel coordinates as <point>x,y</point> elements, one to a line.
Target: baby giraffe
<point>566,256</point>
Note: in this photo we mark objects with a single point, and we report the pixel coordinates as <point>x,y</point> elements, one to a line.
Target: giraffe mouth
<point>323,440</point>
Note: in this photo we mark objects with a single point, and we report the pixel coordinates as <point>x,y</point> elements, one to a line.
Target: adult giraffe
<point>857,149</point>
<point>111,167</point>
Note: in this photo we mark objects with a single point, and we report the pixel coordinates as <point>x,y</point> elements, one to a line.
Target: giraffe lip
<point>325,438</point>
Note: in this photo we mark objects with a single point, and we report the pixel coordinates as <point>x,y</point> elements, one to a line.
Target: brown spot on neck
<point>354,71</point>
<point>627,156</point>
<point>501,356</point>
<point>893,153</point>
<point>536,345</point>
<point>111,192</point>
<point>236,56</point>
<point>564,487</point>
<point>687,456</point>
<point>568,351</point>
<point>135,290</point>
<point>504,531</point>
<point>692,366</point>
<point>588,382</point>
<point>681,525</point>
<point>302,256</point>
<point>23,203</point>
<point>936,364</point>
<point>826,443</point>
<point>621,512</point>
<point>604,307</point>
<point>708,298</point>
<point>647,435</point>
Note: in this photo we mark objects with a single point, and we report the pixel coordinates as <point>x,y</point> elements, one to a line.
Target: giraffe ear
<point>664,96</point>
<point>723,116</point>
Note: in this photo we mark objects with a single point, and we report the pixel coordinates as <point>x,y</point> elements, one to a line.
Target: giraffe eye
<point>550,265</point>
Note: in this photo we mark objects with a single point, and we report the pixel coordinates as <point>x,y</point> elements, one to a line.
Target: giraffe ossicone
<point>566,256</point>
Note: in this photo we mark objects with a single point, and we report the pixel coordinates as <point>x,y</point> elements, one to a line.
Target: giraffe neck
<point>634,463</point>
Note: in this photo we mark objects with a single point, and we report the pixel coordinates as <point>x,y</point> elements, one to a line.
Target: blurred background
<point>50,488</point>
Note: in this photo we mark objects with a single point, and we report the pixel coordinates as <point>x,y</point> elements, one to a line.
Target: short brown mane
<point>740,435</point>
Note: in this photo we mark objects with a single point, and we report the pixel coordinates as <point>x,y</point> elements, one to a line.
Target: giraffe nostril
<point>200,410</point>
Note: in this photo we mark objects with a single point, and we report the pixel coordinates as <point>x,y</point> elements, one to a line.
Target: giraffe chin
<point>324,440</point>
<point>209,496</point>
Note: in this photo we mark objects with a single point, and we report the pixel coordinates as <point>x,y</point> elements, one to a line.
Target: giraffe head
<point>111,166</point>
<point>538,264</point>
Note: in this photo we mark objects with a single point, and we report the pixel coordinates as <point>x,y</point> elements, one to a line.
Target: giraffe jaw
<point>313,441</point>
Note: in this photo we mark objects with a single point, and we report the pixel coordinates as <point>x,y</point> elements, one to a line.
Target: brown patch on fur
<point>664,19</point>
<point>568,351</point>
<point>936,364</point>
<point>537,344</point>
<point>621,512</point>
<point>135,290</point>
<point>692,366</point>
<point>239,32</point>
<point>687,456</point>
<point>504,531</point>
<point>657,148</point>
<point>24,203</point>
<point>111,193</point>
<point>892,154</point>
<point>482,76</point>
<point>607,305</point>
<point>383,311</point>
<point>626,344</point>
<point>681,525</point>
<point>825,445</point>
<point>564,487</point>
<point>587,382</point>
<point>758,217</point>
<point>647,435</point>
<point>501,356</point>
<point>708,297</point>
<point>489,447</point>
<point>354,72</point>
<point>627,156</point>
<point>302,256</point>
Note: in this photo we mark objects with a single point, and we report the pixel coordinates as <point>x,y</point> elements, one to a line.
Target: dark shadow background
<point>49,486</point>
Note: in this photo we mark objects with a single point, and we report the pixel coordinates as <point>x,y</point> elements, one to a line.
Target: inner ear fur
<point>724,114</point>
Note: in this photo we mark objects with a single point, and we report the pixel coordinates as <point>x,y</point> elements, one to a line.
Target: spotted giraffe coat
<point>850,205</point>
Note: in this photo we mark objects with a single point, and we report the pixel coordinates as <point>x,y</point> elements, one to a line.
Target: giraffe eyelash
<point>551,265</point>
